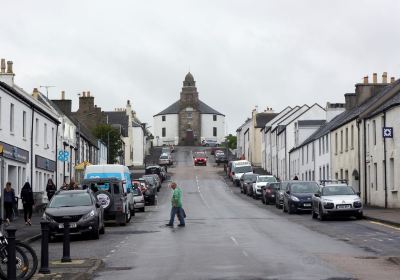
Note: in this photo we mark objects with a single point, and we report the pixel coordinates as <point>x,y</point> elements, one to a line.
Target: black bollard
<point>44,257</point>
<point>66,246</point>
<point>11,264</point>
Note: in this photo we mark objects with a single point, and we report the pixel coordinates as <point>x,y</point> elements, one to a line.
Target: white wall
<point>138,147</point>
<point>171,124</point>
<point>207,125</point>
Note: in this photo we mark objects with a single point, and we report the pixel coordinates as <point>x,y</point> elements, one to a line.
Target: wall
<point>171,125</point>
<point>207,124</point>
<point>138,146</point>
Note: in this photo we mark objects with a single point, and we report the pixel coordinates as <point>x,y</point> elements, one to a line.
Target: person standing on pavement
<point>50,188</point>
<point>27,202</point>
<point>176,209</point>
<point>9,200</point>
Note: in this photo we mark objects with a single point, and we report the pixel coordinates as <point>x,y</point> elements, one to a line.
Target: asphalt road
<point>231,236</point>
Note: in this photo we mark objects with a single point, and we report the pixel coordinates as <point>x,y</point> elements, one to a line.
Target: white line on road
<point>245,253</point>
<point>234,241</point>
<point>385,225</point>
<point>201,195</point>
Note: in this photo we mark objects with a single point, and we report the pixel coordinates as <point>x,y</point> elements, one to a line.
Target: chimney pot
<point>62,95</point>
<point>88,94</point>
<point>3,66</point>
<point>9,67</point>
<point>366,80</point>
<point>84,94</point>
<point>384,78</point>
<point>374,78</point>
<point>392,79</point>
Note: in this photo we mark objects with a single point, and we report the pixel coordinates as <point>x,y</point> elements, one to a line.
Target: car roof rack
<point>325,182</point>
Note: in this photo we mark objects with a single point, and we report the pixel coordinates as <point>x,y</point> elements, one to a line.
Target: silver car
<point>139,199</point>
<point>336,199</point>
<point>165,159</point>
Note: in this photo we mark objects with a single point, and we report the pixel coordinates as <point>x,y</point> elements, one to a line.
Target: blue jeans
<point>179,211</point>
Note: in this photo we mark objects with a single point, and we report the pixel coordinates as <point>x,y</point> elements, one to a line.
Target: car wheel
<point>313,214</point>
<point>321,215</point>
<point>96,233</point>
<point>284,207</point>
<point>103,229</point>
<point>142,209</point>
<point>290,210</point>
<point>133,211</point>
<point>128,216</point>
<point>359,216</point>
<point>104,198</point>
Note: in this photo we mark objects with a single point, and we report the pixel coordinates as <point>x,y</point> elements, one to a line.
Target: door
<point>189,140</point>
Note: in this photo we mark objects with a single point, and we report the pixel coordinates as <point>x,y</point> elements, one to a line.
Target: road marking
<point>380,240</point>
<point>245,253</point>
<point>385,225</point>
<point>234,241</point>
<point>112,251</point>
<point>201,195</point>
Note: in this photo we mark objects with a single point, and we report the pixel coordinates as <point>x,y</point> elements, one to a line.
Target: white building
<point>189,120</point>
<point>242,140</point>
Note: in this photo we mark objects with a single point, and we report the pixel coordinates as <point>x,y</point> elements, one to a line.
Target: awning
<point>81,166</point>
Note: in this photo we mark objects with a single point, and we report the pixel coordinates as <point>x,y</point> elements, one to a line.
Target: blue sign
<point>63,155</point>
<point>388,132</point>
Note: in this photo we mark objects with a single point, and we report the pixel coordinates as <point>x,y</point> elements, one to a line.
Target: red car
<point>200,158</point>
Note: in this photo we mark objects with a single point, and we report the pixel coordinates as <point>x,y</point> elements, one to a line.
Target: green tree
<point>112,138</point>
<point>232,141</point>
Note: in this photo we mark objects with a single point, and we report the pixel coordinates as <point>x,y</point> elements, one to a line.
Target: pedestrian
<point>72,185</point>
<point>64,187</point>
<point>9,200</point>
<point>27,202</point>
<point>50,188</point>
<point>176,209</point>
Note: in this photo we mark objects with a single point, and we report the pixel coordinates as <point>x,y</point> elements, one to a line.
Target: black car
<point>297,196</point>
<point>246,182</point>
<point>87,215</point>
<point>221,158</point>
<point>150,194</point>
<point>268,192</point>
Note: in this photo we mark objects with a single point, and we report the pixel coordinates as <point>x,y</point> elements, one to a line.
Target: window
<point>341,174</point>
<point>323,146</point>
<point>319,144</point>
<point>214,131</point>
<point>320,173</point>
<point>391,173</point>
<point>341,142</point>
<point>374,131</point>
<point>52,138</point>
<point>45,136</point>
<point>336,143</point>
<point>12,118</point>
<point>336,176</point>
<point>347,139</point>
<point>368,137</point>
<point>352,137</point>
<point>307,153</point>
<point>323,173</point>
<point>24,124</point>
<point>346,175</point>
<point>327,143</point>
<point>215,118</point>
<point>163,118</point>
<point>376,175</point>
<point>313,154</point>
<point>189,115</point>
<point>302,155</point>
<point>327,171</point>
<point>163,133</point>
<point>37,131</point>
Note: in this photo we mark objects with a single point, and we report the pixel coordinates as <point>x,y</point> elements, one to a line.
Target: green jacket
<point>176,199</point>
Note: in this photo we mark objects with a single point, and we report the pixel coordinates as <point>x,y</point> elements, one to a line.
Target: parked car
<point>155,169</point>
<point>209,143</point>
<point>150,195</point>
<point>200,158</point>
<point>268,192</point>
<point>297,196</point>
<point>111,194</point>
<point>246,182</point>
<point>166,150</point>
<point>336,199</point>
<point>87,215</point>
<point>165,159</point>
<point>157,180</point>
<point>261,181</point>
<point>238,168</point>
<point>279,194</point>
<point>138,197</point>
<point>220,158</point>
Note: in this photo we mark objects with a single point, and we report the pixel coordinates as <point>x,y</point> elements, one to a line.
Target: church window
<point>163,118</point>
<point>164,132</point>
<point>189,115</point>
<point>214,131</point>
<point>215,118</point>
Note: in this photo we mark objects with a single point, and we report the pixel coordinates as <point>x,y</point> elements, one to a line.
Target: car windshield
<point>70,200</point>
<point>249,177</point>
<point>163,157</point>
<point>200,155</point>
<point>304,187</point>
<point>266,179</point>
<point>136,191</point>
<point>275,186</point>
<point>149,179</point>
<point>337,190</point>
<point>243,169</point>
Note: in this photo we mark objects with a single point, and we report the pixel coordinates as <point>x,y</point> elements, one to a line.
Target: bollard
<point>44,257</point>
<point>11,264</point>
<point>66,246</point>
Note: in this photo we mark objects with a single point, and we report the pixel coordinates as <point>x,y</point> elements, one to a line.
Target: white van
<point>239,167</point>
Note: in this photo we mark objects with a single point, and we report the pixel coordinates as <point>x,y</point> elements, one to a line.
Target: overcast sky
<point>241,53</point>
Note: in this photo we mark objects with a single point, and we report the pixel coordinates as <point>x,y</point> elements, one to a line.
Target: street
<point>231,236</point>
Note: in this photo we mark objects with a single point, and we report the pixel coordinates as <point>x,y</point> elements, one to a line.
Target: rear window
<point>71,200</point>
<point>304,187</point>
<point>243,169</point>
<point>266,179</point>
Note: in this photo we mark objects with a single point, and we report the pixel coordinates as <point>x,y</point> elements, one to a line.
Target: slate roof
<point>395,100</point>
<point>175,108</point>
<point>119,117</point>
<point>348,116</point>
<point>311,122</point>
<point>263,118</point>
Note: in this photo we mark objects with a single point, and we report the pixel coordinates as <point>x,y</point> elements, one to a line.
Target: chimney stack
<point>62,95</point>
<point>10,67</point>
<point>35,93</point>
<point>3,66</point>
<point>384,78</point>
<point>392,79</point>
<point>88,94</point>
<point>366,80</point>
<point>84,94</point>
<point>374,78</point>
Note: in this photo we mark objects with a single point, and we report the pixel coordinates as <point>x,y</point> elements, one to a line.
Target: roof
<point>394,101</point>
<point>263,118</point>
<point>175,108</point>
<point>119,117</point>
<point>311,122</point>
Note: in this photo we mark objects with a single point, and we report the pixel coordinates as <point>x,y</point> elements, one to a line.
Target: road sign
<point>388,132</point>
<point>63,155</point>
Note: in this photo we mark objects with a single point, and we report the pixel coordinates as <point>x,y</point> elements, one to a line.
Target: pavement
<point>389,216</point>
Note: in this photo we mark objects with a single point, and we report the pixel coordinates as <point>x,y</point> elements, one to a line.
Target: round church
<point>189,120</point>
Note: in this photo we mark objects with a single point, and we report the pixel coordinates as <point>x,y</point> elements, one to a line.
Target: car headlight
<point>294,198</point>
<point>47,217</point>
<point>325,201</point>
<point>89,215</point>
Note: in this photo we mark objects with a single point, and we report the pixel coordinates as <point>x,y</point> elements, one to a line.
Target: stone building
<point>188,121</point>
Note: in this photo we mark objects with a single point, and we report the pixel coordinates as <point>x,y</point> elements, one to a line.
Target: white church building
<point>189,120</point>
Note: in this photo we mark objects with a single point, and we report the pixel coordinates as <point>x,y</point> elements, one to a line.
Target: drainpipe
<point>33,118</point>
<point>285,158</point>
<point>56,156</point>
<point>365,164</point>
<point>359,155</point>
<point>314,159</point>
<point>384,161</point>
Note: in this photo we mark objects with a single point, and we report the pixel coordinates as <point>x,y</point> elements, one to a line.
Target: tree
<point>112,138</point>
<point>232,141</point>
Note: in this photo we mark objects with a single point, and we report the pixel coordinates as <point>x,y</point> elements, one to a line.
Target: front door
<point>189,140</point>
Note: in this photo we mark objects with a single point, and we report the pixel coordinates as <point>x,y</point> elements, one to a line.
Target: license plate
<point>71,225</point>
<point>307,204</point>
<point>343,206</point>
<point>273,195</point>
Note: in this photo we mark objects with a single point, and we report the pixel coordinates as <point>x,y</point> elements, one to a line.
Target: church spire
<point>189,80</point>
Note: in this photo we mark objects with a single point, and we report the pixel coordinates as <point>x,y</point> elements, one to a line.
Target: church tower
<point>189,115</point>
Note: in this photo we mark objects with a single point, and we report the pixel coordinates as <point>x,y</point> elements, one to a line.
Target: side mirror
<point>288,192</point>
<point>317,195</point>
<point>358,193</point>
